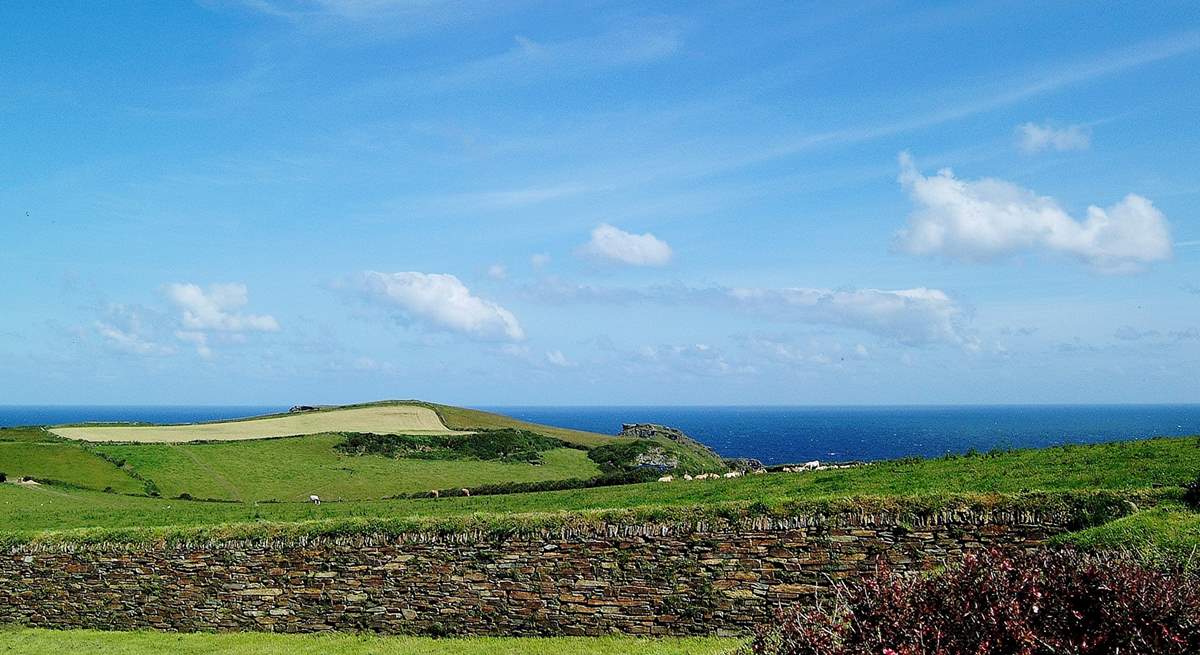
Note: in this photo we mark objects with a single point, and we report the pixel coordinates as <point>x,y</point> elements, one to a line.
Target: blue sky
<point>276,201</point>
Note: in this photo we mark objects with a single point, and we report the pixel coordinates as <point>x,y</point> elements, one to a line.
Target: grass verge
<point>25,640</point>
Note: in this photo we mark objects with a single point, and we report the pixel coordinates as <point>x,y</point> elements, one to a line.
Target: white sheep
<point>467,492</point>
<point>812,466</point>
<point>434,493</point>
<point>687,476</point>
<point>666,478</point>
<point>315,499</point>
<point>733,474</point>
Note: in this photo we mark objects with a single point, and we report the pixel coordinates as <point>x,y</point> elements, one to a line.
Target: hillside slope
<point>289,457</point>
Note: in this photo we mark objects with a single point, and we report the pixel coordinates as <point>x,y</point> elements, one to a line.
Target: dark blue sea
<point>777,435</point>
<point>774,434</point>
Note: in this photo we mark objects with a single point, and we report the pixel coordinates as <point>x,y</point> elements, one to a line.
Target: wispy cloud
<point>124,330</point>
<point>400,17</point>
<point>756,149</point>
<point>917,316</point>
<point>1032,138</point>
<point>530,61</point>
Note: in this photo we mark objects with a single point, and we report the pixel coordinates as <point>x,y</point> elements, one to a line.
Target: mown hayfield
<point>290,469</point>
<point>24,640</point>
<point>378,419</point>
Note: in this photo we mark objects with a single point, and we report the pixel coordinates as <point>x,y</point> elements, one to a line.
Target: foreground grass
<point>17,640</point>
<point>293,468</point>
<point>1167,533</point>
<point>1120,466</point>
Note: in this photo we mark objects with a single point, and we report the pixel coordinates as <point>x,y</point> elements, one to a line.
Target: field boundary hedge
<point>1074,509</point>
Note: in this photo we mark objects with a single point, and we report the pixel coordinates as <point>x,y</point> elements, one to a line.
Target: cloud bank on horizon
<point>629,203</point>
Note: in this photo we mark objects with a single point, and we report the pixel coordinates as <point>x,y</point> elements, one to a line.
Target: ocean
<point>774,434</point>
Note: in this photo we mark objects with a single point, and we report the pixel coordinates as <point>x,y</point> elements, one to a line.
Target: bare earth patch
<point>390,419</point>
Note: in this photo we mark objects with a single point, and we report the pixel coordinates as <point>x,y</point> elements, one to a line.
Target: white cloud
<point>617,245</point>
<point>915,316</point>
<point>197,339</point>
<point>980,220</point>
<point>215,309</point>
<point>910,316</point>
<point>1036,138</point>
<point>497,271</point>
<point>443,301</point>
<point>557,358</point>
<point>539,261</point>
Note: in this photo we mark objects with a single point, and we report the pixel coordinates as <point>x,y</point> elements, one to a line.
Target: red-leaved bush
<point>1048,603</point>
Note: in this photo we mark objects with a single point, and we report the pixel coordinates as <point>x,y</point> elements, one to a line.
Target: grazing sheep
<point>467,492</point>
<point>733,474</point>
<point>434,493</point>
<point>687,476</point>
<point>666,478</point>
<point>812,466</point>
<point>759,471</point>
<point>315,499</point>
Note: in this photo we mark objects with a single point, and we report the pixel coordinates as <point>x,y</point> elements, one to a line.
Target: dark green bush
<point>1191,493</point>
<point>617,457</point>
<point>3,477</point>
<point>506,445</point>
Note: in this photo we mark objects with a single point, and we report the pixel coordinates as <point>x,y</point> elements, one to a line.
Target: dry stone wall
<point>651,578</point>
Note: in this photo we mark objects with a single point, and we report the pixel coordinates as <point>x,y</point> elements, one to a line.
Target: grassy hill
<point>120,486</point>
<point>288,457</point>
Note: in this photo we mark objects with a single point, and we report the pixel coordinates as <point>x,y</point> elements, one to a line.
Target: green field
<point>1136,465</point>
<point>14,640</point>
<point>112,486</point>
<point>293,468</point>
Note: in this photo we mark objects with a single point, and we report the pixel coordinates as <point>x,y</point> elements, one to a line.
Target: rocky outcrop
<point>744,464</point>
<point>657,457</point>
<point>653,430</point>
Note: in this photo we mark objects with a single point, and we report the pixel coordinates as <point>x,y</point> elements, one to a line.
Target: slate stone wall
<point>656,579</point>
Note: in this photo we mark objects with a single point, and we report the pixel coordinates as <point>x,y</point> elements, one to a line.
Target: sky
<point>531,203</point>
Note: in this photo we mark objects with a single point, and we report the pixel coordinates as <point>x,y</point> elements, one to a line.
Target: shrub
<point>1048,602</point>
<point>1191,493</point>
<point>3,477</point>
<point>506,444</point>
